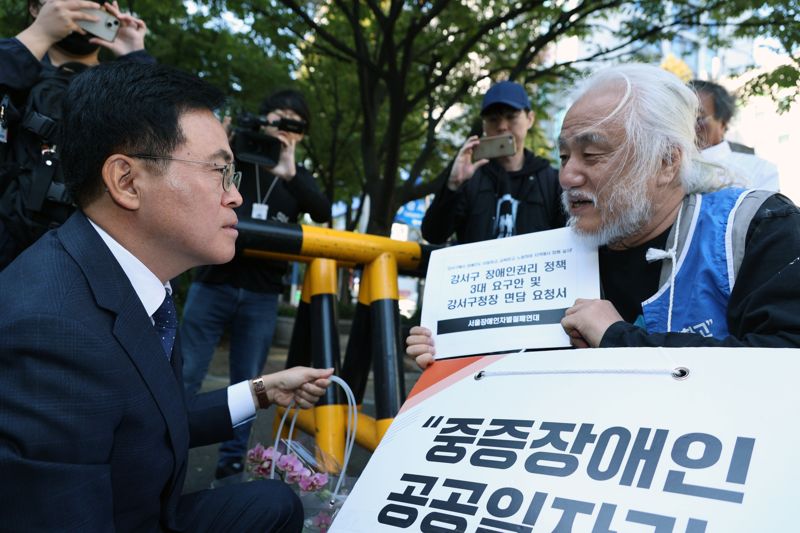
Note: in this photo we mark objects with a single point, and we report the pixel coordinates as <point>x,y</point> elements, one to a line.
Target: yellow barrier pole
<point>329,413</point>
<point>299,345</point>
<point>387,363</point>
<point>382,257</point>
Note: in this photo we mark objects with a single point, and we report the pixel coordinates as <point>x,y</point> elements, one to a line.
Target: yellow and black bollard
<point>375,335</point>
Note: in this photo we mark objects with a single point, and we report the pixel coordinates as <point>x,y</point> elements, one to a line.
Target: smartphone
<point>496,146</point>
<point>106,27</point>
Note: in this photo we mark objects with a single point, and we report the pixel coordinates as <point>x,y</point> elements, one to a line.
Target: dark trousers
<point>255,506</point>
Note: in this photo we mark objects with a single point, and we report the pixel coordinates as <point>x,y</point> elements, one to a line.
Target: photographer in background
<point>36,67</point>
<point>509,195</point>
<point>243,294</point>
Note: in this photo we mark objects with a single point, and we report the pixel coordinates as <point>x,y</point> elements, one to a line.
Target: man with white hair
<point>633,181</point>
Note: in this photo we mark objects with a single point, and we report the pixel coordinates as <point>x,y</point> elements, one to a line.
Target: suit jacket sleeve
<point>209,418</point>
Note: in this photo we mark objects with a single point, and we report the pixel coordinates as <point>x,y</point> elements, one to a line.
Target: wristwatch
<point>261,392</point>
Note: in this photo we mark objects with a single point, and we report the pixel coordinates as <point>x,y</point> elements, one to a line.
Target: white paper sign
<point>591,440</point>
<point>507,294</point>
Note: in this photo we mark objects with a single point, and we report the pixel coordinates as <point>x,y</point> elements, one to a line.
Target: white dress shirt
<point>751,170</point>
<point>151,292</point>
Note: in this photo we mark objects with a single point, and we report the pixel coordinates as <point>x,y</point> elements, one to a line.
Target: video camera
<point>250,145</point>
<point>252,122</point>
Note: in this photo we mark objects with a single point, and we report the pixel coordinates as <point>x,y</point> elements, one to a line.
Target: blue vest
<point>704,275</point>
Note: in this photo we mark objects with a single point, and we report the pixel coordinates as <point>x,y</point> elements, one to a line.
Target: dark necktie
<point>165,320</point>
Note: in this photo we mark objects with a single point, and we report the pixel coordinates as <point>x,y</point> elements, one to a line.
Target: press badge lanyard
<point>260,209</point>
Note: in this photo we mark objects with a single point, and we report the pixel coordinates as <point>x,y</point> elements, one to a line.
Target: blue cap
<point>508,93</point>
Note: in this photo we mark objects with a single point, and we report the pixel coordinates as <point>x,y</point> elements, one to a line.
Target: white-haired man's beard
<point>623,213</point>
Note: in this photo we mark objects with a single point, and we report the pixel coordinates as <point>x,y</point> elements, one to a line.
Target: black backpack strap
<point>33,197</point>
<point>42,180</point>
<point>39,124</point>
<point>43,108</point>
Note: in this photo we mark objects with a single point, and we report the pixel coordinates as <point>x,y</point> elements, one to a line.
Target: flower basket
<point>321,494</point>
<point>297,466</point>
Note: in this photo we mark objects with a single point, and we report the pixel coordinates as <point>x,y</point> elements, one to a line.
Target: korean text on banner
<point>507,294</point>
<point>579,440</point>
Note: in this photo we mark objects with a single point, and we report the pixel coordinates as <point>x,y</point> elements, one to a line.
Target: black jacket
<point>28,205</point>
<point>470,211</point>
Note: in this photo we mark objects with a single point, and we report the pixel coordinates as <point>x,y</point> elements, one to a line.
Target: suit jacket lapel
<point>132,328</point>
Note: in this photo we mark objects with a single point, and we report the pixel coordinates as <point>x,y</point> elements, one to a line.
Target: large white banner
<point>507,294</point>
<point>610,440</point>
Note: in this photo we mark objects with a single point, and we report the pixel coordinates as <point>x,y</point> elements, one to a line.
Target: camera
<point>249,121</point>
<point>287,124</point>
<point>252,146</point>
<point>252,122</point>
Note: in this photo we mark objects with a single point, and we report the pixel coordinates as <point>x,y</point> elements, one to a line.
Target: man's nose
<point>232,198</point>
<point>503,125</point>
<point>570,175</point>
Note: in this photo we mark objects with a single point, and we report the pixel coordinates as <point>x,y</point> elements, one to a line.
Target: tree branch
<point>297,9</point>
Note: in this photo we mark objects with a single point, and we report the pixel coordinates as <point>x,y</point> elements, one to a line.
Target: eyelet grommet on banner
<point>680,373</point>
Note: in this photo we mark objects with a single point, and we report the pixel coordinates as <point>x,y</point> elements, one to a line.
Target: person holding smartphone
<point>35,69</point>
<point>506,190</point>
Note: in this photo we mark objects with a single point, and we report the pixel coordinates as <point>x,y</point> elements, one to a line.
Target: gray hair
<point>658,112</point>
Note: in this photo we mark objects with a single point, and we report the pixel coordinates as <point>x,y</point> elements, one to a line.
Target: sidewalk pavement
<point>203,460</point>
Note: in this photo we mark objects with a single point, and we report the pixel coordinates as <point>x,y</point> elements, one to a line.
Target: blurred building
<point>758,124</point>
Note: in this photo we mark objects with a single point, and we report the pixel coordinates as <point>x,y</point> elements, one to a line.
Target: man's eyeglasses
<point>230,176</point>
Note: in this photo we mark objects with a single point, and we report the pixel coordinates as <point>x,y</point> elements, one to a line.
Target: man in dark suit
<point>94,426</point>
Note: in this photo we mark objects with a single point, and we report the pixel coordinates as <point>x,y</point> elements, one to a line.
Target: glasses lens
<point>227,172</point>
<point>235,179</point>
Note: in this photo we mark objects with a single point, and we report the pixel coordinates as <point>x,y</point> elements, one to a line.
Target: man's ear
<point>119,177</point>
<point>670,167</point>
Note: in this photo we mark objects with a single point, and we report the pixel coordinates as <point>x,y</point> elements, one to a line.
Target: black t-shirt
<point>634,280</point>
<point>517,181</point>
